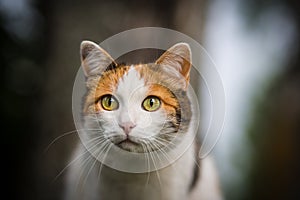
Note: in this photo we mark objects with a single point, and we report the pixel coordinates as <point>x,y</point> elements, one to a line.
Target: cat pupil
<point>110,101</point>
<point>151,102</point>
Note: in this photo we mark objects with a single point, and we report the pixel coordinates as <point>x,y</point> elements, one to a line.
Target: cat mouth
<point>127,141</point>
<point>128,145</point>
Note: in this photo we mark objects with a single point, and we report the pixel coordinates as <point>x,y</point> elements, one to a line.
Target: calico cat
<point>141,109</point>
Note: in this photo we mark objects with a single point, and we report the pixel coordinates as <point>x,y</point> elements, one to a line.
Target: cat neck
<point>171,182</point>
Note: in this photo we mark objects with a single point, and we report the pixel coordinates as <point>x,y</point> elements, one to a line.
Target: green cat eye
<point>151,103</point>
<point>109,102</point>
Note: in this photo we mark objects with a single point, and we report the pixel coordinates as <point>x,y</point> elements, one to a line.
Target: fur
<point>133,128</point>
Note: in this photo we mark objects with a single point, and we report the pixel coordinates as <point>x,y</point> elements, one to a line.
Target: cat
<point>138,109</point>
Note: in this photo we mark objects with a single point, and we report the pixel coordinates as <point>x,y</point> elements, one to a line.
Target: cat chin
<point>129,145</point>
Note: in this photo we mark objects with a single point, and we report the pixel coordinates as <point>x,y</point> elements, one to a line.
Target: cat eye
<point>109,102</point>
<point>151,103</point>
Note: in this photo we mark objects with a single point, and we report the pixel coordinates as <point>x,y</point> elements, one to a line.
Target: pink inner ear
<point>94,59</point>
<point>178,57</point>
<point>185,69</point>
<point>85,50</point>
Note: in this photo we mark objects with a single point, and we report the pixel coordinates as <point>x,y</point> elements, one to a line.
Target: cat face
<point>139,108</point>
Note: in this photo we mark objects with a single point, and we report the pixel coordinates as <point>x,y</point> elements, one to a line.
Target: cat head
<point>139,108</point>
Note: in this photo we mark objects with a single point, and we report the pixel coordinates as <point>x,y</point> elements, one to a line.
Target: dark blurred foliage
<point>275,125</point>
<point>253,9</point>
<point>274,134</point>
<point>22,80</point>
<point>40,57</point>
<point>39,61</point>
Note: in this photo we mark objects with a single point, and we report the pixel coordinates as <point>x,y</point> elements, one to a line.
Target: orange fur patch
<point>169,102</point>
<point>107,84</point>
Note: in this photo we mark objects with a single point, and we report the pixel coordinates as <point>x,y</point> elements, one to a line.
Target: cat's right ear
<point>94,59</point>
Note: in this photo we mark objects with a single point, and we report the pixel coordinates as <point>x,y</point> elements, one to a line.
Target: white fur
<point>98,182</point>
<point>208,187</point>
<point>170,183</point>
<point>97,59</point>
<point>130,93</point>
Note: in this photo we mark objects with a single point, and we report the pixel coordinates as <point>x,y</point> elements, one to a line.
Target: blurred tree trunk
<point>70,22</point>
<point>275,130</point>
<point>275,136</point>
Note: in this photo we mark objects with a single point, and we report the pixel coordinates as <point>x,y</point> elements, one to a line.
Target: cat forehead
<point>131,82</point>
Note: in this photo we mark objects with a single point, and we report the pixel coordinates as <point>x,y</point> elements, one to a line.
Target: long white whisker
<point>57,138</point>
<point>101,164</point>
<point>69,164</point>
<point>164,153</point>
<point>73,161</point>
<point>164,142</point>
<point>86,161</point>
<point>154,146</point>
<point>65,134</point>
<point>148,163</point>
<point>83,165</point>
<point>154,163</point>
<point>100,149</point>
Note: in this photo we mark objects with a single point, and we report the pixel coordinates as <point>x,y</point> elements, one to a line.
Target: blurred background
<point>255,45</point>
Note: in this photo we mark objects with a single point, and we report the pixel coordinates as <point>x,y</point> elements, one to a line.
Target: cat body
<point>142,110</point>
<point>174,182</point>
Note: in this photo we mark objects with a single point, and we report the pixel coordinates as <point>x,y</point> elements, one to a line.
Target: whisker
<point>69,164</point>
<point>101,164</point>
<point>157,140</point>
<point>163,152</point>
<point>85,163</point>
<point>156,148</point>
<point>101,137</point>
<point>165,142</point>
<point>157,172</point>
<point>148,164</point>
<point>65,134</point>
<point>74,160</point>
<point>57,138</point>
<point>96,159</point>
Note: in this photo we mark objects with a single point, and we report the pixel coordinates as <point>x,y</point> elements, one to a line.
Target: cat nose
<point>127,127</point>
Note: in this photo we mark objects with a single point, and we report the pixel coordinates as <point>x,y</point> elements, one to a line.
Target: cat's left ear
<point>94,59</point>
<point>178,57</point>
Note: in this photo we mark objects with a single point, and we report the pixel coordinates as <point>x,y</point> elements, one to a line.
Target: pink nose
<point>127,127</point>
